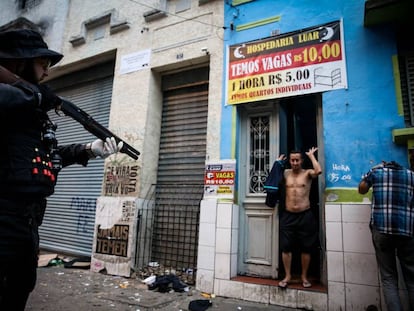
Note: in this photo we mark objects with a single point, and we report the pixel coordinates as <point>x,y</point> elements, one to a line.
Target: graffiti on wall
<point>84,208</point>
<point>120,180</point>
<point>339,173</point>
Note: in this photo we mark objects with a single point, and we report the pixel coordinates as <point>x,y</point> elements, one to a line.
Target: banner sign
<point>113,241</point>
<point>219,180</point>
<point>306,61</point>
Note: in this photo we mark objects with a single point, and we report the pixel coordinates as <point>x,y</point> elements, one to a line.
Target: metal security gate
<point>179,189</point>
<point>68,225</point>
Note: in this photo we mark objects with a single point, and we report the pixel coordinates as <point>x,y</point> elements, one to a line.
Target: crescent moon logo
<point>327,33</point>
<point>238,53</point>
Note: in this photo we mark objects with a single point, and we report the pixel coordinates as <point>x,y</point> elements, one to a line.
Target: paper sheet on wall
<point>135,61</point>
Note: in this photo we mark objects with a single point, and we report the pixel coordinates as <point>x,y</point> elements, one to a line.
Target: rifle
<point>92,126</point>
<point>71,110</point>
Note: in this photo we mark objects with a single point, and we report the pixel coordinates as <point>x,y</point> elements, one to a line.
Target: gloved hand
<point>105,149</point>
<point>48,100</point>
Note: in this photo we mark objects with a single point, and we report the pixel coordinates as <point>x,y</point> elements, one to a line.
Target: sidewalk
<point>74,289</point>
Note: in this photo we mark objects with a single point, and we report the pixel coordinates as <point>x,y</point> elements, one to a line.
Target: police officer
<point>30,160</point>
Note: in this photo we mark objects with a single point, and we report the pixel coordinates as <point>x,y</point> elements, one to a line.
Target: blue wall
<point>358,121</point>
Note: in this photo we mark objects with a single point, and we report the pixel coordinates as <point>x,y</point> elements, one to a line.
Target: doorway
<point>268,129</point>
<point>298,121</point>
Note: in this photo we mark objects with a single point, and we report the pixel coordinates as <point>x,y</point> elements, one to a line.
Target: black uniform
<point>27,177</point>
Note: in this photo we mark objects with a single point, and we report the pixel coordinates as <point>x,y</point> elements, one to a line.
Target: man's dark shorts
<point>298,230</point>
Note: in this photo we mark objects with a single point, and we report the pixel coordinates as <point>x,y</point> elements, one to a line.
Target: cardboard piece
<point>44,259</point>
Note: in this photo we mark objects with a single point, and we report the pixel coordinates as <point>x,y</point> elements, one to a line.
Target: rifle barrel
<point>92,126</point>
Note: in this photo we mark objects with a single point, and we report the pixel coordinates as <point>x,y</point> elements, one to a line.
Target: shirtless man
<point>297,222</point>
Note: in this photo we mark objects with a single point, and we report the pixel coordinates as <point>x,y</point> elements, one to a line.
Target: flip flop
<point>306,284</point>
<point>283,284</point>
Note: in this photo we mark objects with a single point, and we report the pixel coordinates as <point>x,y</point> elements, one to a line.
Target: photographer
<point>392,227</point>
<point>30,161</point>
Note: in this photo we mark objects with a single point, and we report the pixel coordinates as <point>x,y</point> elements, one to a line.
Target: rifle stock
<point>71,110</point>
<point>7,76</point>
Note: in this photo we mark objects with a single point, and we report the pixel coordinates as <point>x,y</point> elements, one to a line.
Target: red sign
<point>305,61</point>
<point>219,179</point>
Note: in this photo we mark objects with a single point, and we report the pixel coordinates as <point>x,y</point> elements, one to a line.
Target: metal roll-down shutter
<point>181,167</point>
<point>68,225</point>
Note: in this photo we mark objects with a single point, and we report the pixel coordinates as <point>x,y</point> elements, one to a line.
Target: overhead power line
<point>176,15</point>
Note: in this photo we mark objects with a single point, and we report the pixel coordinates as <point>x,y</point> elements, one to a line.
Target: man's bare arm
<point>363,187</point>
<point>317,169</point>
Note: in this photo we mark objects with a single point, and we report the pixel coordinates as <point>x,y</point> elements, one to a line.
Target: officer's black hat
<point>25,43</point>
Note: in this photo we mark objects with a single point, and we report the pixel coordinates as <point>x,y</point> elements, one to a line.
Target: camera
<point>49,138</point>
<point>49,133</point>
